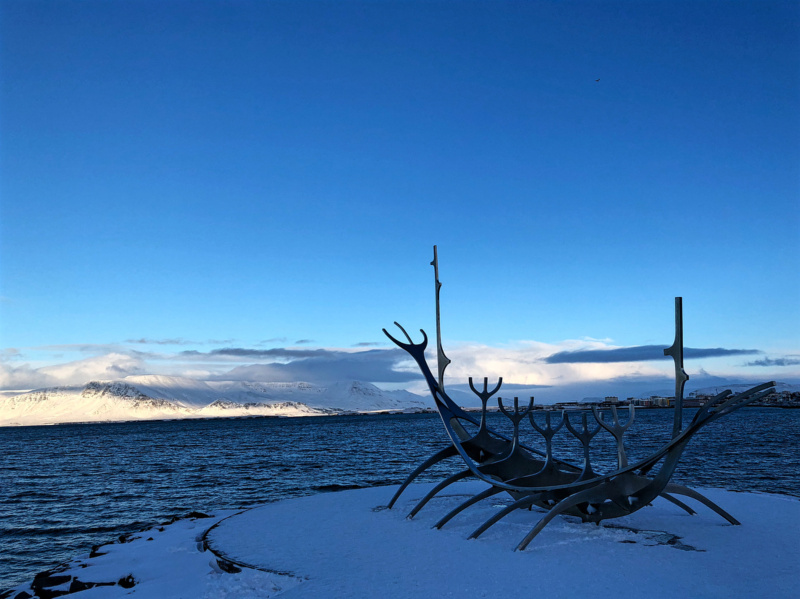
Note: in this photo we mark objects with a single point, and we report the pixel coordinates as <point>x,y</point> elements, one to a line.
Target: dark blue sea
<point>66,488</point>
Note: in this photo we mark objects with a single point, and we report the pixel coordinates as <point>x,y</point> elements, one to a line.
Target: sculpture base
<point>348,545</point>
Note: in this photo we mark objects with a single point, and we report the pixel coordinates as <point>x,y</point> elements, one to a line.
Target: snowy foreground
<point>347,544</point>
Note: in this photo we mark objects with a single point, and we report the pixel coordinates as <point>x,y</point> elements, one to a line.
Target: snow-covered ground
<point>347,545</point>
<point>154,397</point>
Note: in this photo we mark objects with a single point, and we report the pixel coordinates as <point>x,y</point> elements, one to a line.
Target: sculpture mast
<point>441,360</point>
<point>676,351</point>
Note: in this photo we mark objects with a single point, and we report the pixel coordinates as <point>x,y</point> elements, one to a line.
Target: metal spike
<point>676,351</point>
<point>442,360</point>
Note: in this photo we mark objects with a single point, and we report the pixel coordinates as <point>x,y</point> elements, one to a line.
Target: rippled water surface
<point>66,488</point>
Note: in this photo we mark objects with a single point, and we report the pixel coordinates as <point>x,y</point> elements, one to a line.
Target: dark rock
<point>197,515</point>
<point>48,579</point>
<point>127,583</point>
<point>77,586</point>
<point>95,552</point>
<point>23,595</point>
<point>175,518</point>
<point>48,593</point>
<point>150,539</point>
<point>335,487</point>
<point>227,566</point>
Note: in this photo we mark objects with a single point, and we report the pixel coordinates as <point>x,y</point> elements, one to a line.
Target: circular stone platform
<point>348,544</point>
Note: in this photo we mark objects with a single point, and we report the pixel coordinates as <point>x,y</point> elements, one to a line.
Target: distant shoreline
<point>329,415</point>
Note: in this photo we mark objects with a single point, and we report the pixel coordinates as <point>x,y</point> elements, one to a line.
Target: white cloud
<point>22,377</point>
<point>104,367</point>
<point>521,363</point>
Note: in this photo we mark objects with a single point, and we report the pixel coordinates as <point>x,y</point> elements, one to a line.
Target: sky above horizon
<point>253,189</point>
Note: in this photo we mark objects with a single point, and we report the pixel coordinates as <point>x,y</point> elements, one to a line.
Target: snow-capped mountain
<point>351,396</point>
<point>181,390</point>
<point>97,401</point>
<point>153,397</point>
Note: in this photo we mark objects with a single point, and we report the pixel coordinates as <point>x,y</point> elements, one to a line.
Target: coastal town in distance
<point>777,399</point>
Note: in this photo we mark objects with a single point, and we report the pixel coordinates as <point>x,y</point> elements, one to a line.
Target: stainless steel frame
<point>535,477</point>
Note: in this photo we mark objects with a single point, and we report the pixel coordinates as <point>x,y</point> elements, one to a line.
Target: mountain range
<point>155,397</point>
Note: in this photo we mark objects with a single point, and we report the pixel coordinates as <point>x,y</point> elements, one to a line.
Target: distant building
<point>661,401</point>
<point>592,400</point>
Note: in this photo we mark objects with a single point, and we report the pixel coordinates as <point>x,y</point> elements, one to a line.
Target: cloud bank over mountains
<point>639,353</point>
<point>768,362</point>
<point>378,365</point>
<point>588,366</point>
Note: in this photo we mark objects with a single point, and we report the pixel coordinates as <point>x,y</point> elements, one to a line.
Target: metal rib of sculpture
<point>536,478</point>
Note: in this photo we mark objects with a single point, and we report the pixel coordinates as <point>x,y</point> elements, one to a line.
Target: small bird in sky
<point>596,80</point>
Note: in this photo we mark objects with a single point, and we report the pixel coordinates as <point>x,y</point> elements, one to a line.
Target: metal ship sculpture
<point>535,477</point>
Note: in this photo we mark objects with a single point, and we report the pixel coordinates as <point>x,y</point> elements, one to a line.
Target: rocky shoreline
<point>90,571</point>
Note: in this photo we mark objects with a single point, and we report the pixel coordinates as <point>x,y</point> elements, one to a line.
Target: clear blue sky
<point>274,174</point>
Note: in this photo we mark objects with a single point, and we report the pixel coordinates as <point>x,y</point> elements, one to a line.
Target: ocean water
<point>66,488</point>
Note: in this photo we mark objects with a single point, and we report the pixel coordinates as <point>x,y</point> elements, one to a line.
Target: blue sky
<point>201,176</point>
